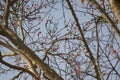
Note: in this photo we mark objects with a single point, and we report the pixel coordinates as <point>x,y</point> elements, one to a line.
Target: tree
<point>60,39</point>
<point>115,4</point>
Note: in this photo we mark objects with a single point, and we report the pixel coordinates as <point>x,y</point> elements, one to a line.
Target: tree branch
<point>19,68</point>
<point>115,7</point>
<point>108,19</point>
<point>17,75</point>
<point>26,51</point>
<point>32,69</point>
<point>6,14</point>
<point>84,41</point>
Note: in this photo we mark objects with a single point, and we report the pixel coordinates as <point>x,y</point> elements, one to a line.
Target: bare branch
<point>15,77</point>
<point>19,68</point>
<point>115,7</point>
<point>105,15</point>
<point>50,73</point>
<point>84,41</point>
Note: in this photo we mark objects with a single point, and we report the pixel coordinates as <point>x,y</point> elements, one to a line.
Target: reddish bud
<point>113,51</point>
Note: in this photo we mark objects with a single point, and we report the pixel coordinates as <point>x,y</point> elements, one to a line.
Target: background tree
<point>59,39</point>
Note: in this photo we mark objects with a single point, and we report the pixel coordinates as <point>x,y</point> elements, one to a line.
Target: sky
<point>58,18</point>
